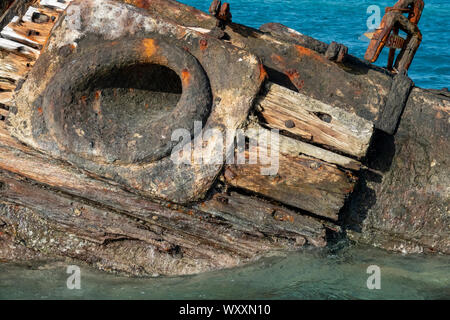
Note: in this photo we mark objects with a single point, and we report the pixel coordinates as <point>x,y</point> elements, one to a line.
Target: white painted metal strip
<point>16,47</point>
<point>55,4</point>
<point>10,34</point>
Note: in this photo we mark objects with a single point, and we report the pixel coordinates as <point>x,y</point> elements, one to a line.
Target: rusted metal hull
<point>85,163</point>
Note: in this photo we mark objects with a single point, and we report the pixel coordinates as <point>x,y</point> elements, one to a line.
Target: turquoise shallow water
<point>311,274</point>
<point>345,21</point>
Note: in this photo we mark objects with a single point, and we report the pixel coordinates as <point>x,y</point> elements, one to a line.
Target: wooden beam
<point>268,218</point>
<point>7,84</point>
<point>3,112</point>
<point>294,147</point>
<point>14,67</point>
<point>303,182</point>
<point>315,121</point>
<point>31,11</point>
<point>6,97</point>
<point>18,49</point>
<point>31,34</point>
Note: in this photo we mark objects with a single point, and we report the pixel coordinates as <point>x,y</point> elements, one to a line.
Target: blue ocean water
<point>345,21</point>
<point>308,274</point>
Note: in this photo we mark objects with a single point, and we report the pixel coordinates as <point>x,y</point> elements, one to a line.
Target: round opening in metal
<point>119,110</point>
<point>121,105</point>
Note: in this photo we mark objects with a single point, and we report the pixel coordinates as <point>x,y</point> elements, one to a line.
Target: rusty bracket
<point>221,11</point>
<point>387,35</point>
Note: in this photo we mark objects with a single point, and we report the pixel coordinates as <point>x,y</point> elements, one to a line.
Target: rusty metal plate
<point>115,81</point>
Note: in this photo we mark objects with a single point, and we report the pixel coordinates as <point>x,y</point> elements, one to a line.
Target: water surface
<point>309,274</point>
<point>345,21</point>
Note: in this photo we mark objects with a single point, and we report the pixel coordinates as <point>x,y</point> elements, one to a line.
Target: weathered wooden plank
<point>28,33</point>
<point>14,67</point>
<point>266,217</point>
<point>32,15</point>
<point>55,4</point>
<point>18,49</point>
<point>303,182</point>
<point>7,84</point>
<point>68,227</point>
<point>293,147</point>
<point>18,159</point>
<point>3,112</point>
<point>6,97</point>
<point>18,8</point>
<point>315,121</point>
<point>392,111</point>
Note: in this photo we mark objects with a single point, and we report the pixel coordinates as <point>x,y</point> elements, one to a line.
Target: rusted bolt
<point>289,124</point>
<point>38,17</point>
<point>203,44</point>
<point>33,33</point>
<point>66,50</point>
<point>225,13</point>
<point>215,7</point>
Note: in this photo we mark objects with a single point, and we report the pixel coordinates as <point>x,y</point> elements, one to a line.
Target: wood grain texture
<point>14,67</point>
<point>42,195</point>
<point>303,182</point>
<point>6,97</point>
<point>315,121</point>
<point>268,218</point>
<point>295,147</point>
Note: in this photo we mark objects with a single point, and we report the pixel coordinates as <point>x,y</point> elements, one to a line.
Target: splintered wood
<point>311,175</point>
<point>21,43</point>
<point>314,121</point>
<point>318,150</point>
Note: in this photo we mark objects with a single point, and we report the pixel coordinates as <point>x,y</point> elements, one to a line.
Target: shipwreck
<point>91,92</point>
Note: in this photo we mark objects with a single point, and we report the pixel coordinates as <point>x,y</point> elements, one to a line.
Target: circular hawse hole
<point>121,109</point>
<point>133,97</point>
<point>116,104</point>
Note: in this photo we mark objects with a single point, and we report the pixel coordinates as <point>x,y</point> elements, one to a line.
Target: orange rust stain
<point>294,76</point>
<point>185,77</point>
<point>83,99</point>
<point>146,106</point>
<point>203,44</point>
<point>144,4</point>
<point>302,51</point>
<point>284,218</point>
<point>149,47</point>
<point>97,103</point>
<point>277,58</point>
<point>114,43</point>
<point>40,110</point>
<point>262,73</point>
